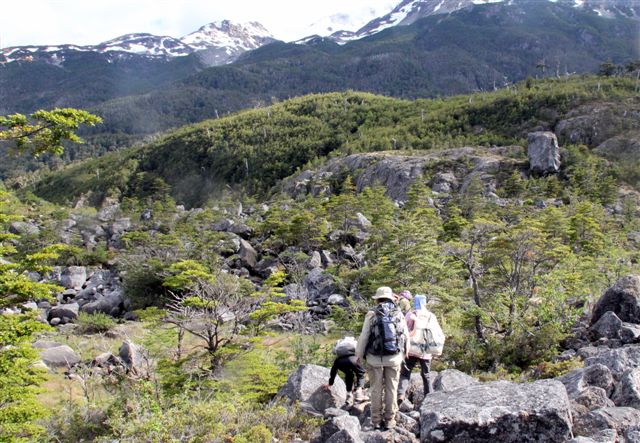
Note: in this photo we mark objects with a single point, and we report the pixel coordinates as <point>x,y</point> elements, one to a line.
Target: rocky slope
<point>598,402</point>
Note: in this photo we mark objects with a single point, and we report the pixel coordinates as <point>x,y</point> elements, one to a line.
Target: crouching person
<point>346,362</point>
<point>383,343</point>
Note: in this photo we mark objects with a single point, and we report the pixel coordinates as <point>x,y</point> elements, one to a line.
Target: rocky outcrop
<point>498,411</point>
<point>73,277</point>
<point>543,153</point>
<point>398,172</point>
<point>623,299</point>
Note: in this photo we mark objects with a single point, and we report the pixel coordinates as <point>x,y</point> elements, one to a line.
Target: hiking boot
<point>390,424</point>
<point>349,400</point>
<point>360,396</point>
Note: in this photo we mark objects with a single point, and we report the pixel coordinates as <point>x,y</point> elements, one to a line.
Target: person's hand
<point>358,362</point>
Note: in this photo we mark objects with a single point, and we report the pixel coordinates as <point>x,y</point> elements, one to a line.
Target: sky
<point>88,22</point>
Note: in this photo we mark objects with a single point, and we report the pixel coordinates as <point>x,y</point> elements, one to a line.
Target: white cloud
<point>40,22</point>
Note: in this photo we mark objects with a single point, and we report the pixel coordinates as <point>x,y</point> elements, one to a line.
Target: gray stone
<point>593,397</point>
<point>69,310</point>
<point>499,411</point>
<point>295,291</point>
<point>623,299</point>
<point>119,226</point>
<point>327,260</point>
<point>578,380</point>
<point>444,182</point>
<point>146,215</point>
<point>344,436</point>
<point>452,379</point>
<point>241,230</point>
<point>223,225</point>
<point>45,344</point>
<point>73,277</point>
<point>109,209</point>
<point>133,358</point>
<point>306,384</point>
<point>622,420</point>
<point>23,228</point>
<point>315,260</point>
<point>335,299</point>
<point>59,357</point>
<point>334,412</point>
<point>111,303</point>
<point>359,222</point>
<point>627,391</point>
<point>408,423</point>
<point>543,152</point>
<point>319,284</point>
<point>248,255</point>
<point>617,360</point>
<point>336,424</point>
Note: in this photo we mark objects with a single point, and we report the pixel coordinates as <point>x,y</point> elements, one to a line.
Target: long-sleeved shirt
<point>346,363</point>
<point>380,360</point>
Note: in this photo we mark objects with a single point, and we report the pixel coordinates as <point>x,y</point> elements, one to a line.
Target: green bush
<point>95,323</point>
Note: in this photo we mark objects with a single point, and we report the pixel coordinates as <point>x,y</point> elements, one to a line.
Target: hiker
<point>404,301</point>
<point>383,343</point>
<point>426,340</point>
<point>346,362</point>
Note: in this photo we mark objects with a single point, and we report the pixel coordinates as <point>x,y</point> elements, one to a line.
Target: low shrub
<point>95,323</point>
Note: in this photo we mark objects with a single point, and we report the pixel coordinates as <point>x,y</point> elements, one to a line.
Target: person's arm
<point>363,340</point>
<point>407,338</point>
<point>334,371</point>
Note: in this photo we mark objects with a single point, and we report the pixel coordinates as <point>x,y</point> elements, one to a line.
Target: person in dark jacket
<point>353,371</point>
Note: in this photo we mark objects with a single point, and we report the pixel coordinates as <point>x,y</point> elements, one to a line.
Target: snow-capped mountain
<point>408,11</point>
<point>220,43</point>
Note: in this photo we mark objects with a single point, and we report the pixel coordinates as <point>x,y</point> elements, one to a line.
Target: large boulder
<point>623,421</point>
<point>66,312</point>
<point>319,285</point>
<point>499,411</point>
<point>610,327</point>
<point>23,228</point>
<point>73,277</point>
<point>579,380</point>
<point>306,385</point>
<point>59,357</point>
<point>623,299</point>
<point>543,152</point>
<point>248,255</point>
<point>627,391</point>
<point>452,379</point>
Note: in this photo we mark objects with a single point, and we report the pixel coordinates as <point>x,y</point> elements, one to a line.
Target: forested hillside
<point>254,149</point>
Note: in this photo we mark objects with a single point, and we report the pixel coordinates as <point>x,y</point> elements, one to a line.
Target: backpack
<point>386,334</point>
<point>427,336</point>
<point>345,346</point>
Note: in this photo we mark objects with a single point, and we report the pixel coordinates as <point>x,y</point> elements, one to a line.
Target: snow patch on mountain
<point>226,40</point>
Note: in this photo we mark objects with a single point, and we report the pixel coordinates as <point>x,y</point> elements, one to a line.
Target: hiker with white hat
<point>384,344</point>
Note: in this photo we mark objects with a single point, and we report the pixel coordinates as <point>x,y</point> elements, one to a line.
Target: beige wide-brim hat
<point>383,292</point>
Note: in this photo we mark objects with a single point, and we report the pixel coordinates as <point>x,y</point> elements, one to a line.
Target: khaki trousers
<point>383,381</point>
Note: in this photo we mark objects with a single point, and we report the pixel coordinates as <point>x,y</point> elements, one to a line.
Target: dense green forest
<point>254,149</point>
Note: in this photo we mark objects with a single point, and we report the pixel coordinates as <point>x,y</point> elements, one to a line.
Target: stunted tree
<point>208,305</point>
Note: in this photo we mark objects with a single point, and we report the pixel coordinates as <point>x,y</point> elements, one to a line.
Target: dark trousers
<point>405,374</point>
<point>349,377</point>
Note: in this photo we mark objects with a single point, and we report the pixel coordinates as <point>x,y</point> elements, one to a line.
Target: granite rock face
<point>499,411</point>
